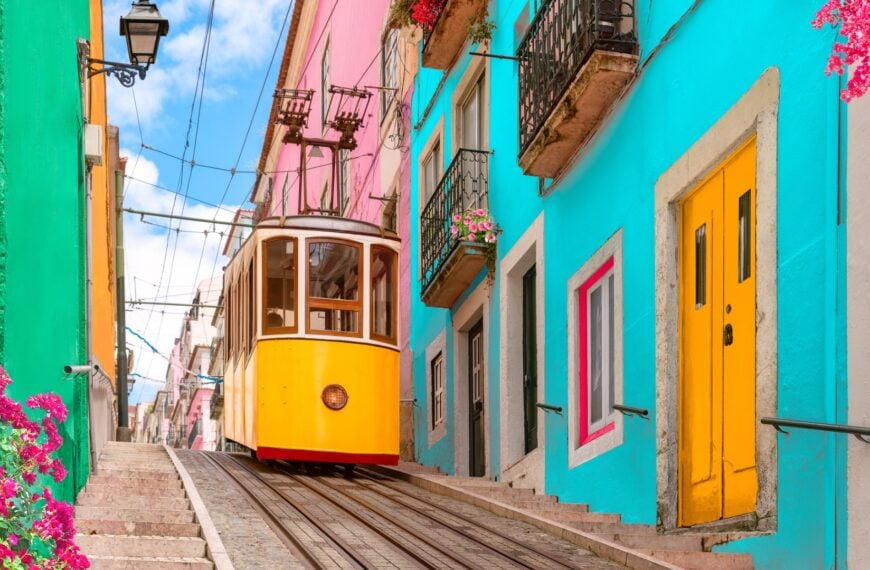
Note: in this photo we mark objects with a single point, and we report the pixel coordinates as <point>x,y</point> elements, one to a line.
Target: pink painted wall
<point>200,408</point>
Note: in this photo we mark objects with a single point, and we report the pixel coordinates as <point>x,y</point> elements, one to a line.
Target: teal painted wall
<point>42,213</point>
<point>693,74</point>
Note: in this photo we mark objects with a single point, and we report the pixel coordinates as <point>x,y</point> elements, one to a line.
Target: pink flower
<point>13,539</point>
<point>453,229</point>
<point>472,227</point>
<point>10,488</point>
<point>479,212</point>
<point>457,218</point>
<point>489,238</point>
<point>853,19</point>
<point>487,225</point>
<point>472,237</point>
<point>467,220</point>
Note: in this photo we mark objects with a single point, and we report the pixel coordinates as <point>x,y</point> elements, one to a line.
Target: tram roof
<point>327,223</point>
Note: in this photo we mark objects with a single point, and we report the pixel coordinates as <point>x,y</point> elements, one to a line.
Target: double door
<point>717,464</point>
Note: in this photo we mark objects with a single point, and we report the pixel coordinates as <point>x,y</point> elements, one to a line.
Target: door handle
<point>728,335</point>
<point>478,406</point>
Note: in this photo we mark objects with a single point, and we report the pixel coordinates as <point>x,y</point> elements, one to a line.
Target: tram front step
<point>151,563</point>
<point>179,516</point>
<point>132,502</point>
<point>151,489</point>
<point>134,528</point>
<point>141,546</point>
<point>703,560</point>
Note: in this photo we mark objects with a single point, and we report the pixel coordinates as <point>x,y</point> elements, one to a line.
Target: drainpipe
<point>123,432</point>
<point>88,320</point>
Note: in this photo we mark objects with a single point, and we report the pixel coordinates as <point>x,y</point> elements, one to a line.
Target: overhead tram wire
<point>198,93</point>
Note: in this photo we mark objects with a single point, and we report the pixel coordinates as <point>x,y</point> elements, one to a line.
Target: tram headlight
<point>334,397</point>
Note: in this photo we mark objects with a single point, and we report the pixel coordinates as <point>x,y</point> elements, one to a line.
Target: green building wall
<point>42,213</point>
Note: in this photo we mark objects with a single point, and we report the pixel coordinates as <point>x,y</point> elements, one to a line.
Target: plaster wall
<point>610,187</point>
<point>42,214</point>
<point>858,302</point>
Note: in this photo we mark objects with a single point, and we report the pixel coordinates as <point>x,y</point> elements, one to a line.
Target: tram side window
<point>279,306</point>
<point>228,322</point>
<point>334,302</point>
<point>252,317</point>
<point>383,294</point>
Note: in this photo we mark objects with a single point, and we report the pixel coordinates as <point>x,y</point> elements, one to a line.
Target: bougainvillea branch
<point>36,530</point>
<point>853,19</point>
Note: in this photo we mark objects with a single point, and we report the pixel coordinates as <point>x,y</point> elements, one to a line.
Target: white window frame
<point>437,370</point>
<point>438,347</point>
<point>593,447</point>
<point>324,83</point>
<point>389,71</point>
<point>344,183</point>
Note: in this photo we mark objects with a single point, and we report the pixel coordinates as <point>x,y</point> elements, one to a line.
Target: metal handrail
<point>859,432</point>
<point>631,411</point>
<point>560,39</point>
<point>464,186</point>
<point>549,407</point>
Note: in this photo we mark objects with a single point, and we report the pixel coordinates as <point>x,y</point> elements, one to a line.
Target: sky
<point>174,112</point>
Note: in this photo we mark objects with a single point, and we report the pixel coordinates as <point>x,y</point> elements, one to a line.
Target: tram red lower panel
<point>326,456</point>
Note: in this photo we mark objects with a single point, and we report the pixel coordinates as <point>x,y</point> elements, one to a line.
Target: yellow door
<point>717,477</point>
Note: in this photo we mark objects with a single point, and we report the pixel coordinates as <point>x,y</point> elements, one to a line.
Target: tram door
<point>477,458</point>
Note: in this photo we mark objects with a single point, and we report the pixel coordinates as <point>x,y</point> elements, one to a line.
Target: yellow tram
<point>312,359</point>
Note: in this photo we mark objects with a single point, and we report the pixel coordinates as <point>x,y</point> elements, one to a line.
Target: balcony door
<point>471,137</point>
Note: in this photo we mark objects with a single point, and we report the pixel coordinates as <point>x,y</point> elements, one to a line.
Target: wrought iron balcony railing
<point>560,39</point>
<point>464,186</point>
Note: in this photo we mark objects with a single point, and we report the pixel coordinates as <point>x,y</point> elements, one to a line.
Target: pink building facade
<point>349,45</point>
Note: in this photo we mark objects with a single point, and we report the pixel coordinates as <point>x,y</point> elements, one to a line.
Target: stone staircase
<point>134,513</point>
<point>687,550</point>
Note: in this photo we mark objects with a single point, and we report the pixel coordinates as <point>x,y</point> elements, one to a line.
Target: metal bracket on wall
<point>549,408</point>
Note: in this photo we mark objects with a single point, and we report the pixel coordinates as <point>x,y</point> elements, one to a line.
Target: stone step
<point>134,515</point>
<point>613,528</point>
<point>134,563</point>
<point>683,542</point>
<point>142,466</point>
<point>130,482</point>
<point>578,516</point>
<point>138,546</point>
<point>130,445</point>
<point>703,560</point>
<point>132,502</point>
<point>117,527</point>
<point>147,490</point>
<point>137,473</point>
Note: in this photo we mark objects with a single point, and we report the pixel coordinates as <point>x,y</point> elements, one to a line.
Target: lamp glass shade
<point>143,27</point>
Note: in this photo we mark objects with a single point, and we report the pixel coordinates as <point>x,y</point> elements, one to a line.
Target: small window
<point>436,368</point>
<point>431,171</point>
<point>744,268</point>
<point>389,70</point>
<point>701,266</point>
<point>228,324</point>
<point>324,83</point>
<point>250,300</point>
<point>383,292</point>
<point>237,320</point>
<point>334,299</point>
<point>279,270</point>
<point>344,180</point>
<point>597,353</point>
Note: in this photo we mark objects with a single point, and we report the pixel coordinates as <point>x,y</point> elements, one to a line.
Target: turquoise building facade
<point>710,78</point>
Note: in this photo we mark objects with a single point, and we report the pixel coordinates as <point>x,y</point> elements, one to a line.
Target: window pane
<point>595,356</point>
<point>333,320</point>
<point>701,266</point>
<point>333,271</point>
<point>744,251</point>
<point>611,386</point>
<point>280,301</point>
<point>383,261</point>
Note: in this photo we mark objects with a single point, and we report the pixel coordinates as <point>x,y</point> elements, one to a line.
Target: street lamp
<point>142,27</point>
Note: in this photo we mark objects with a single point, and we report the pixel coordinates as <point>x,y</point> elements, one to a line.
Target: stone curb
<point>216,549</point>
<point>595,544</point>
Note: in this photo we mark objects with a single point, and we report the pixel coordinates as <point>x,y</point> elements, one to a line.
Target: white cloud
<point>242,40</point>
<point>196,258</point>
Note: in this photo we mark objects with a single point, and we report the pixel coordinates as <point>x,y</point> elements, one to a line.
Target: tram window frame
<point>243,311</point>
<point>236,321</point>
<point>320,303</point>
<point>394,325</point>
<point>252,305</point>
<point>264,253</point>
<point>228,322</point>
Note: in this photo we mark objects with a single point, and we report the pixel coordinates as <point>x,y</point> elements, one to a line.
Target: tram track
<point>522,547</point>
<point>294,544</point>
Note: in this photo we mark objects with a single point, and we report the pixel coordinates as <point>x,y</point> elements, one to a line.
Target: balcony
<point>449,265</point>
<point>575,59</point>
<point>448,35</point>
<point>195,432</point>
<point>217,402</point>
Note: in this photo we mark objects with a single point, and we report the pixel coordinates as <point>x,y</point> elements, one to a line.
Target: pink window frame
<point>583,423</point>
